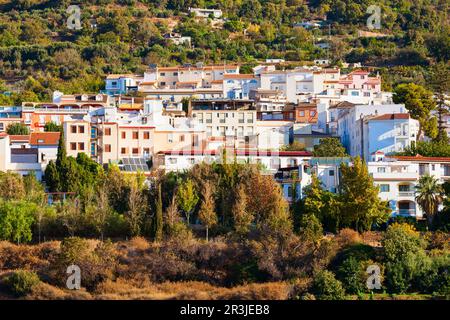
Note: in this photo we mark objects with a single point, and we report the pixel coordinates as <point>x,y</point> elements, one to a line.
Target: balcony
<point>407,212</point>
<point>406,193</point>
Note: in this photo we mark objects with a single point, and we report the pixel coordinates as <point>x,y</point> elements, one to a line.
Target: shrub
<point>21,282</point>
<point>352,275</point>
<point>347,237</point>
<point>326,287</point>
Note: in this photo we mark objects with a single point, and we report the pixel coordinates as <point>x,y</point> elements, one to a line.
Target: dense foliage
<point>39,54</point>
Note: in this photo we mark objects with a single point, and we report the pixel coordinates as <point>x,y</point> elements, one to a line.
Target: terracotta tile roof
<point>239,76</point>
<point>391,116</point>
<point>420,158</point>
<point>19,138</point>
<point>45,138</point>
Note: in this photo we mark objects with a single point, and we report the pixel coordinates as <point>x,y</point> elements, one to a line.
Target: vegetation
<point>41,54</point>
<point>17,129</point>
<point>329,147</point>
<point>22,282</point>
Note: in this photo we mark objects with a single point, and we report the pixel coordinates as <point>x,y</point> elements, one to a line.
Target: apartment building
<point>8,116</point>
<point>294,180</point>
<point>388,133</point>
<point>270,161</point>
<point>122,83</point>
<point>398,176</point>
<point>236,118</point>
<point>175,83</point>
<point>239,86</point>
<point>350,126</point>
<point>299,84</point>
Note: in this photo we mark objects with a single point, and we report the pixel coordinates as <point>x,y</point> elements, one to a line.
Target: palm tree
<point>429,196</point>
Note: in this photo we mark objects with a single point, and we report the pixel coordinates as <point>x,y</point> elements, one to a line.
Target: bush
<point>21,282</point>
<point>352,275</point>
<point>326,287</point>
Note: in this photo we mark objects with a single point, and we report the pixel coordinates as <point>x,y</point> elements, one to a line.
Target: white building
<point>206,13</point>
<point>388,133</point>
<point>398,177</point>
<point>350,124</point>
<point>271,162</point>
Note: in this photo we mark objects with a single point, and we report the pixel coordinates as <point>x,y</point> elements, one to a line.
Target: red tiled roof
<point>420,158</point>
<point>392,116</point>
<point>45,138</point>
<point>238,76</point>
<point>21,138</point>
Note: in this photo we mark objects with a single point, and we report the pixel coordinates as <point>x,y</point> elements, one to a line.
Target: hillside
<point>39,54</point>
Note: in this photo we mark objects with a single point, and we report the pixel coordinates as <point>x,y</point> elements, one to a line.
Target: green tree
<point>241,216</point>
<point>16,220</point>
<point>440,84</point>
<point>52,127</point>
<point>159,223</point>
<point>419,103</point>
<point>310,228</point>
<point>429,196</point>
<point>207,212</point>
<point>17,129</point>
<point>326,287</point>
<point>361,208</point>
<point>406,259</point>
<point>329,147</point>
<point>187,198</point>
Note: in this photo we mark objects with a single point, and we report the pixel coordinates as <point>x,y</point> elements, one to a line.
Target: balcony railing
<point>406,193</point>
<point>406,212</point>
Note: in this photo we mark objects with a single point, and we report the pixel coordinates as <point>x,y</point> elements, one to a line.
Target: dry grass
<point>190,290</point>
<point>347,237</point>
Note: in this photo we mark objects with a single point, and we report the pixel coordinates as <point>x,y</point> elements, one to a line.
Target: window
<point>73,146</point>
<point>241,118</point>
<point>73,129</point>
<point>384,188</point>
<point>312,113</point>
<point>2,127</point>
<point>170,137</point>
<point>249,117</point>
<point>93,149</point>
<point>433,167</point>
<point>191,160</point>
<point>175,73</point>
<point>135,151</point>
<point>107,148</point>
<point>163,83</point>
<point>289,191</point>
<point>172,160</point>
<point>81,129</point>
<point>146,151</point>
<point>107,131</point>
<point>123,150</point>
<point>404,188</point>
<point>124,135</point>
<point>162,74</point>
<point>209,118</point>
<point>146,135</point>
<point>381,170</point>
<point>302,113</point>
<point>366,94</point>
<point>93,133</point>
<point>331,173</point>
<point>114,84</point>
<point>135,135</point>
<point>182,138</point>
<point>80,145</point>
